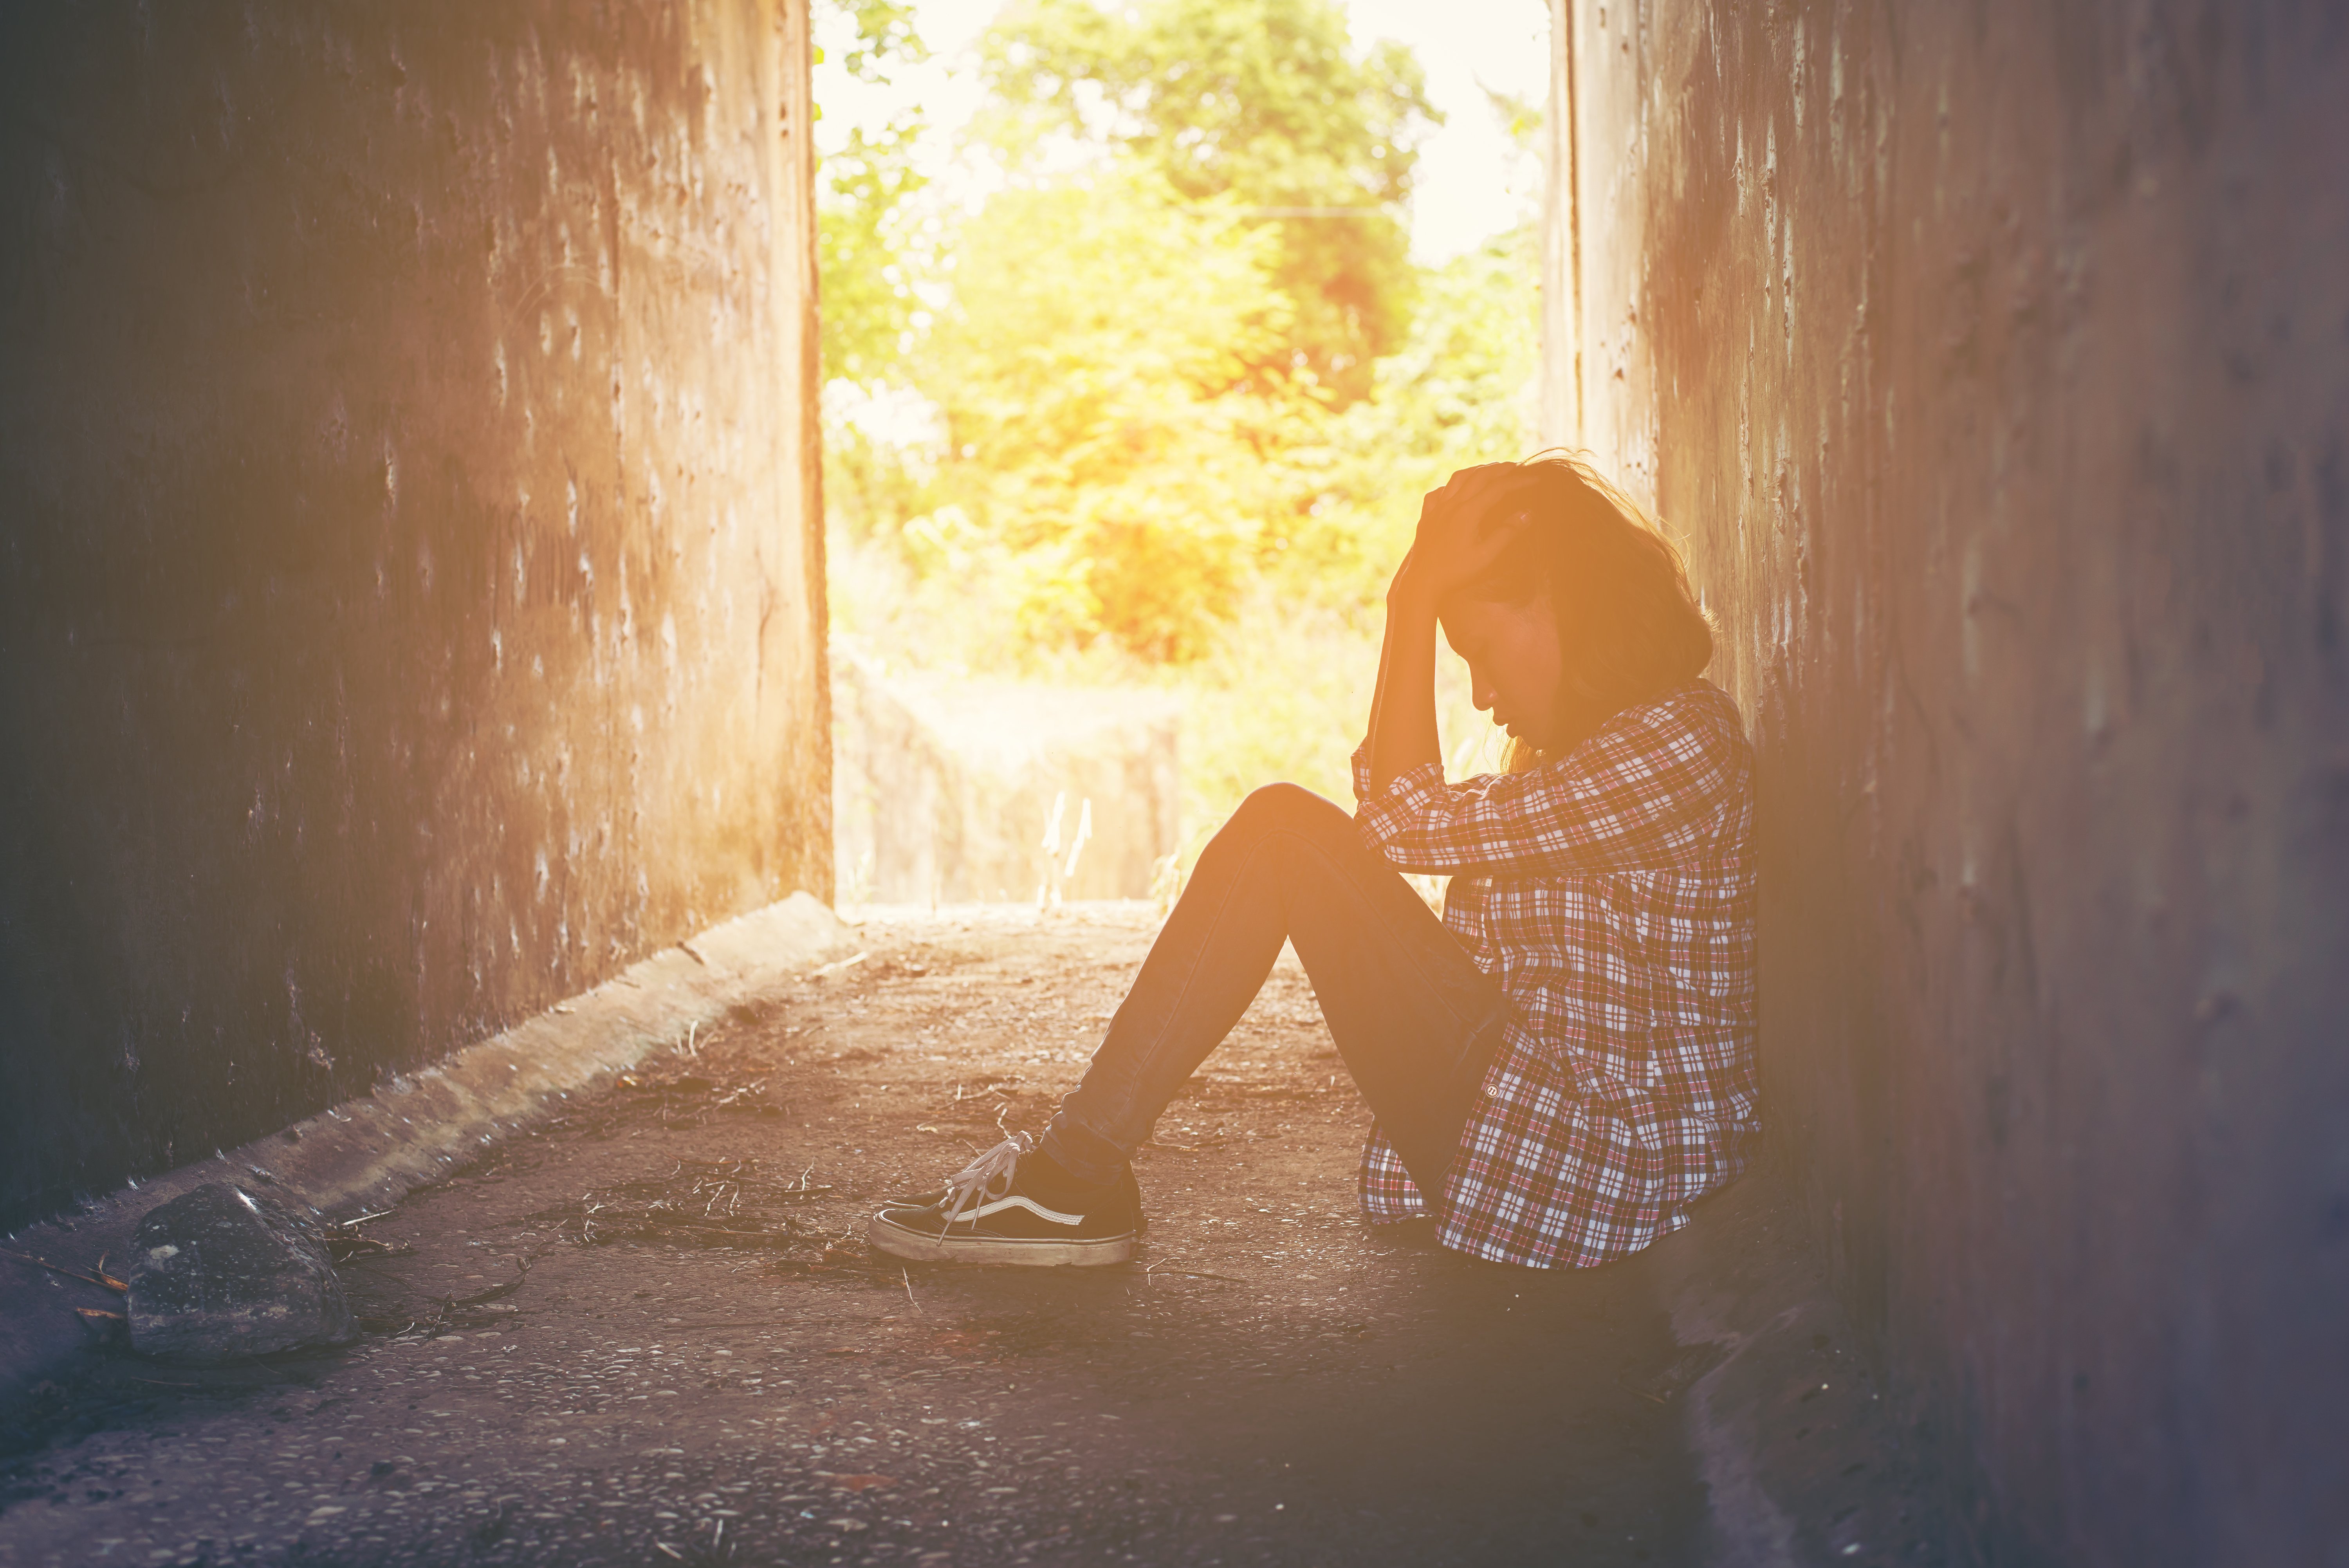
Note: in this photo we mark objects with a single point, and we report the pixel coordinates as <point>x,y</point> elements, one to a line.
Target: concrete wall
<point>1995,359</point>
<point>946,790</point>
<point>410,591</point>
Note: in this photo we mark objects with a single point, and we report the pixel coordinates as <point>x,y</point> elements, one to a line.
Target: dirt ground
<point>652,1331</point>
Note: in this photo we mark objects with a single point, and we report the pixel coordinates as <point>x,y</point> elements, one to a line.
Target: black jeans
<point>1414,1019</point>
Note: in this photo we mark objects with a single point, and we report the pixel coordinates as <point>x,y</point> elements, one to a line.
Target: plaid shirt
<point>1611,895</point>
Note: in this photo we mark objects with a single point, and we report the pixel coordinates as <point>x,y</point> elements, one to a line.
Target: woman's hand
<point>1462,529</point>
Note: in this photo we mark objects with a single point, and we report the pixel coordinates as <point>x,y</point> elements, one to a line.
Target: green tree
<point>869,304</point>
<point>870,262</point>
<point>1266,101</point>
<point>1458,390</point>
<point>1108,416</point>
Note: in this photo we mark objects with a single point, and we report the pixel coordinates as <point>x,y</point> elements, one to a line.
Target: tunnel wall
<point>1993,360</point>
<point>410,572</point>
<point>947,789</point>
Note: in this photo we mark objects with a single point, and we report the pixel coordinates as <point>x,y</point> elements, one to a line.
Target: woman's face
<point>1513,663</point>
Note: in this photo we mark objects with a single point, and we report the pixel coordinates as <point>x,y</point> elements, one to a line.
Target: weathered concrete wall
<point>954,791</point>
<point>410,591</point>
<point>1995,359</point>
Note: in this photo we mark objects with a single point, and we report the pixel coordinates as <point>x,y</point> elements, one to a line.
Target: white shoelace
<point>987,1177</point>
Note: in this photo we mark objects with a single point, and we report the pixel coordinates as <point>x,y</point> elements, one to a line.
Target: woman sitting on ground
<point>1562,1065</point>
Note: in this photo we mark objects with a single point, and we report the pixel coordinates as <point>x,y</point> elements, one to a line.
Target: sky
<point>1470,181</point>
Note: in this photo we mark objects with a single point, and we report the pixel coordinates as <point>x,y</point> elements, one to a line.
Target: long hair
<point>1629,627</point>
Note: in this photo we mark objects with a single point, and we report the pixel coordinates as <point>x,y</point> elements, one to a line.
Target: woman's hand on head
<point>1462,528</point>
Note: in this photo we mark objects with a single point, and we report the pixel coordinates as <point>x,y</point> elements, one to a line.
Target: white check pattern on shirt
<point>1611,895</point>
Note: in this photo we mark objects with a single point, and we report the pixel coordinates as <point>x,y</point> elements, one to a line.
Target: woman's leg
<point>1413,1018</point>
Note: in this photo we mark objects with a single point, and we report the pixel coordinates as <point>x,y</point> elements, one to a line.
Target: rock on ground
<point>219,1272</point>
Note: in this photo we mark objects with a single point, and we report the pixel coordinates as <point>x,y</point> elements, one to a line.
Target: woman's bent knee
<point>1290,808</point>
<point>1288,805</point>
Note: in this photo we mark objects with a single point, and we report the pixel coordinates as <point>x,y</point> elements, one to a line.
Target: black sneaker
<point>989,1215</point>
<point>1127,1188</point>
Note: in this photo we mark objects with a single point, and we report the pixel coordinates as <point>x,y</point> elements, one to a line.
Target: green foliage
<point>869,306</point>
<point>863,252</point>
<point>1108,415</point>
<point>1141,442</point>
<point>1458,390</point>
<point>1265,101</point>
<point>884,35</point>
<point>870,261</point>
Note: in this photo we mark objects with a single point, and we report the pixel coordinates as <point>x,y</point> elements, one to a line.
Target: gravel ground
<point>651,1333</point>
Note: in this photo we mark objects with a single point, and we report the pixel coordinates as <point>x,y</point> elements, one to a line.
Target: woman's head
<point>1586,613</point>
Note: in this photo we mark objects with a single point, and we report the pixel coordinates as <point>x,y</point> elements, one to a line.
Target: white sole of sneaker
<point>928,1200</point>
<point>899,1241</point>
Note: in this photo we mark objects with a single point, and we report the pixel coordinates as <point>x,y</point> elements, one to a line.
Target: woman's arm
<point>1644,793</point>
<point>1402,713</point>
<point>1449,549</point>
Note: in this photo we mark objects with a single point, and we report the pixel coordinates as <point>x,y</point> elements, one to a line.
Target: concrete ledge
<point>369,1153</point>
<point>1803,1456</point>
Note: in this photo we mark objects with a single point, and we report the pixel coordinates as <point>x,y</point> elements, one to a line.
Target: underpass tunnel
<point>413,613</point>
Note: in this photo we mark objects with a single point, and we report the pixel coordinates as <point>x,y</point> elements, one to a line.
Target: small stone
<point>221,1273</point>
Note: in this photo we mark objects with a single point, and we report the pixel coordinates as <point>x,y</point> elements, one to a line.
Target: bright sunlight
<point>1143,336</point>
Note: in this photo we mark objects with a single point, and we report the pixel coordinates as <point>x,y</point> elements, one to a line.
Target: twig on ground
<point>344,1245</point>
<point>107,1328</point>
<point>1156,1269</point>
<point>101,1280</point>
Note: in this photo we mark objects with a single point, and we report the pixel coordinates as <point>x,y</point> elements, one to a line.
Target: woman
<point>1563,1064</point>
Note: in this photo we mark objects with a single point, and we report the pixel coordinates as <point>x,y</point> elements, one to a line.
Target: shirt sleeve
<point>1362,774</point>
<point>1637,795</point>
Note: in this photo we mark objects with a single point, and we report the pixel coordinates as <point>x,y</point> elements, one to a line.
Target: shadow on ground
<point>650,1333</point>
